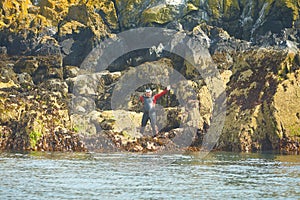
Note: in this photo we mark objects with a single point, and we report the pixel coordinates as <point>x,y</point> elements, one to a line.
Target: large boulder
<point>35,119</point>
<point>261,103</point>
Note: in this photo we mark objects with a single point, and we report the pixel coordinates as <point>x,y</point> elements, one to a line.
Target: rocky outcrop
<point>260,111</point>
<point>47,104</point>
<point>32,117</point>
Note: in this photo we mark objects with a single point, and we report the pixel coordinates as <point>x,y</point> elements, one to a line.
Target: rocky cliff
<point>44,43</point>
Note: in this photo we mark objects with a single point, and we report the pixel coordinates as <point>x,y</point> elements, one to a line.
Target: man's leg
<point>144,122</point>
<point>153,123</point>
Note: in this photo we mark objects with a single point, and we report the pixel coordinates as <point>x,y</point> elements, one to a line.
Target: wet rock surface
<point>47,105</point>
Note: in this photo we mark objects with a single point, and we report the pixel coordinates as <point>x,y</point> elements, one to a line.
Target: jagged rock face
<point>242,19</point>
<point>78,25</point>
<point>48,25</point>
<point>260,111</point>
<point>247,19</point>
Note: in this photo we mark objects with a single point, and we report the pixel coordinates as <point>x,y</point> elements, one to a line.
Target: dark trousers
<point>152,117</point>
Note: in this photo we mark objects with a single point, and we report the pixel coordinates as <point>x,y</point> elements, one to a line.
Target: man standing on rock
<point>149,102</point>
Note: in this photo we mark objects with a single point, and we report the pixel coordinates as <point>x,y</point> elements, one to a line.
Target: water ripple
<point>146,176</point>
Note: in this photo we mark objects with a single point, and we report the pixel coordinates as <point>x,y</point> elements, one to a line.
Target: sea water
<point>219,175</point>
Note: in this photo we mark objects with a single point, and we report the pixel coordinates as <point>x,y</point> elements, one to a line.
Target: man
<point>149,102</point>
